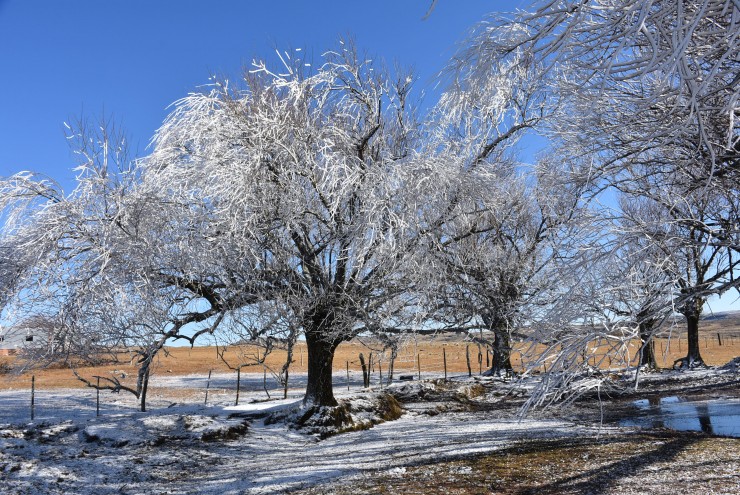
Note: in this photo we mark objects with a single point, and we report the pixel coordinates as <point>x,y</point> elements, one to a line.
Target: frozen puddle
<point>716,416</point>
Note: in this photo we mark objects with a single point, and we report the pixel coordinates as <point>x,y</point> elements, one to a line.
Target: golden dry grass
<point>429,354</point>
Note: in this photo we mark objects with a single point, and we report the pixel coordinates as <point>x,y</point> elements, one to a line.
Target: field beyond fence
<point>417,357</point>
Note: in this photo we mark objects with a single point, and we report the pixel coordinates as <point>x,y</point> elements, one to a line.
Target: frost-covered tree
<point>298,201</point>
<point>648,96</point>
<point>497,244</point>
<point>682,55</point>
<point>311,183</point>
<point>695,266</point>
<point>639,282</point>
<point>641,82</point>
<point>98,267</point>
<point>500,256</point>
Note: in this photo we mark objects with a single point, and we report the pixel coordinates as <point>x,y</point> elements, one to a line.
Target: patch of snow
<point>227,449</point>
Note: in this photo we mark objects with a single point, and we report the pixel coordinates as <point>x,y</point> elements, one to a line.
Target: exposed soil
<point>655,463</point>
<point>617,462</point>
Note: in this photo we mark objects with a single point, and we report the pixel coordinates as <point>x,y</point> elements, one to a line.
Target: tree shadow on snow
<point>602,479</point>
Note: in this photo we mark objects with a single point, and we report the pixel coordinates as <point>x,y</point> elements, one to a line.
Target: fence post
<point>480,361</point>
<point>97,399</point>
<point>347,376</point>
<point>33,396</point>
<point>418,364</point>
<point>264,381</point>
<point>444,360</point>
<point>208,385</point>
<point>719,338</point>
<point>238,384</point>
<point>285,387</point>
<point>467,359</point>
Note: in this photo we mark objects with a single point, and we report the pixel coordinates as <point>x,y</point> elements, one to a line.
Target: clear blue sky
<point>130,59</point>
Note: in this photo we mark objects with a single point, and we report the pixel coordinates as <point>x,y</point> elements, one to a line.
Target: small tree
<point>252,334</point>
<point>509,221</point>
<point>97,267</point>
<point>694,265</point>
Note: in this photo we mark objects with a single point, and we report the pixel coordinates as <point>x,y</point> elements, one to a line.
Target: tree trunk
<point>693,358</point>
<point>144,387</point>
<point>394,355</point>
<point>647,350</point>
<point>319,389</point>
<point>501,352</point>
<point>365,372</point>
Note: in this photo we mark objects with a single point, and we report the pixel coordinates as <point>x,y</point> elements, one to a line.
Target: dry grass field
<point>429,355</point>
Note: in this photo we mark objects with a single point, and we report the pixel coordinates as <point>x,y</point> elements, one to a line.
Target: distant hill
<point>723,316</point>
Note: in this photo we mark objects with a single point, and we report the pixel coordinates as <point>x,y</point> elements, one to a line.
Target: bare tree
<point>311,183</point>
<point>696,266</point>
<point>252,333</point>
<point>297,199</point>
<point>639,281</point>
<point>96,265</point>
<point>497,242</point>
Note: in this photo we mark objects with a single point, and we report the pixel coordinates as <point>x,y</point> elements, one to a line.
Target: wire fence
<point>381,368</point>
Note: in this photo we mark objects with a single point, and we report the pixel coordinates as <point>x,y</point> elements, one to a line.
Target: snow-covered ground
<point>220,448</point>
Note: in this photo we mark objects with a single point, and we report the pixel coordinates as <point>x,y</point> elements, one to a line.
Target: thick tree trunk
<point>501,352</point>
<point>319,389</point>
<point>692,311</point>
<point>365,372</point>
<point>647,351</point>
<point>693,357</point>
<point>501,347</point>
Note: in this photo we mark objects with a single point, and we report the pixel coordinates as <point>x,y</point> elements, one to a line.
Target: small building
<point>12,341</point>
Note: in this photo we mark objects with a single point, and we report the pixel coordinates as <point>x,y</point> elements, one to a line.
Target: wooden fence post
<point>418,364</point>
<point>208,385</point>
<point>33,396</point>
<point>238,384</point>
<point>97,399</point>
<point>444,360</point>
<point>347,376</point>
<point>264,381</point>
<point>467,359</point>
